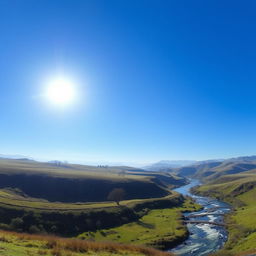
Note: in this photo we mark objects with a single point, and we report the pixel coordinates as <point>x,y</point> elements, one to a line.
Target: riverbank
<point>241,222</point>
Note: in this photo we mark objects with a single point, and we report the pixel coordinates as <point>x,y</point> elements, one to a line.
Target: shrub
<point>34,229</point>
<point>5,226</point>
<point>54,229</point>
<point>16,223</point>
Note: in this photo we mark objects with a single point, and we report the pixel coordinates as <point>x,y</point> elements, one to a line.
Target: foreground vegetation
<point>162,228</point>
<point>15,244</point>
<point>240,191</point>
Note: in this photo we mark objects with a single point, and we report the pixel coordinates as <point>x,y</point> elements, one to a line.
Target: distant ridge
<point>209,170</point>
<point>15,157</point>
<point>183,167</point>
<point>165,164</point>
<point>243,158</point>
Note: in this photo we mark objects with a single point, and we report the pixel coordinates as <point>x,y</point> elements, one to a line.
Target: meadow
<point>161,228</point>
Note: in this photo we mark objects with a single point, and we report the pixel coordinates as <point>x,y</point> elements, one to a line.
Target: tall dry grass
<point>57,244</point>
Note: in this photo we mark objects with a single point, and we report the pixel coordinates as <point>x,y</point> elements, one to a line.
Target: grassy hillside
<point>211,170</point>
<point>49,217</point>
<point>40,197</point>
<point>158,228</point>
<point>14,244</point>
<point>198,170</point>
<point>89,183</point>
<point>240,191</point>
<point>13,199</point>
<point>227,168</point>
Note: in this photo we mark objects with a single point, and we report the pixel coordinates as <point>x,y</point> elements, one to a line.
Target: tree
<point>117,195</point>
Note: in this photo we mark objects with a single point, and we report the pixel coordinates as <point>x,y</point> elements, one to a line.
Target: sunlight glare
<point>61,91</point>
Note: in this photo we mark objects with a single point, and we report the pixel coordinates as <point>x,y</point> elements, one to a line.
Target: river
<point>204,238</point>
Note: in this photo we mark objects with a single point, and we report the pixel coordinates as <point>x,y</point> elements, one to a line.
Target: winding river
<point>204,238</point>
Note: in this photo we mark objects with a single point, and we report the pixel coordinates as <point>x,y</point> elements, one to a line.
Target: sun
<point>61,91</point>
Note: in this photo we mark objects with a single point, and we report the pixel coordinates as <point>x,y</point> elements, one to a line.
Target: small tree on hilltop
<point>117,195</point>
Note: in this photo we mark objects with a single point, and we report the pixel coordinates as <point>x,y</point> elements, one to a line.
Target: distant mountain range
<point>172,165</point>
<point>166,164</point>
<point>212,170</point>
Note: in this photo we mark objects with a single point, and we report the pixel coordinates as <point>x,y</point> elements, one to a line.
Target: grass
<point>240,191</point>
<point>15,244</point>
<point>47,216</point>
<point>113,173</point>
<point>208,171</point>
<point>9,199</point>
<point>158,228</point>
<point>89,183</point>
<point>166,224</point>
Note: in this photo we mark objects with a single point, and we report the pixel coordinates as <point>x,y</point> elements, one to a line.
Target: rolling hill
<point>213,169</point>
<point>43,196</point>
<point>166,165</point>
<point>78,183</point>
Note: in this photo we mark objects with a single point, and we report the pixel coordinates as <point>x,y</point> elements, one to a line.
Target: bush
<point>16,223</point>
<point>34,229</point>
<point>53,229</point>
<point>4,226</point>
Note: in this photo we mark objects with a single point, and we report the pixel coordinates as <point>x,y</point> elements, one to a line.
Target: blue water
<point>204,238</point>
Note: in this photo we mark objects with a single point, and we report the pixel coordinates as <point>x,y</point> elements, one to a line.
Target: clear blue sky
<point>157,79</point>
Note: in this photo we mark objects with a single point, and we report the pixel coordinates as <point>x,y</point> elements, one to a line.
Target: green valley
<point>28,203</point>
<point>162,228</point>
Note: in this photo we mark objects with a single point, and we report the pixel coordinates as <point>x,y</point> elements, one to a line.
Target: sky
<point>155,80</point>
